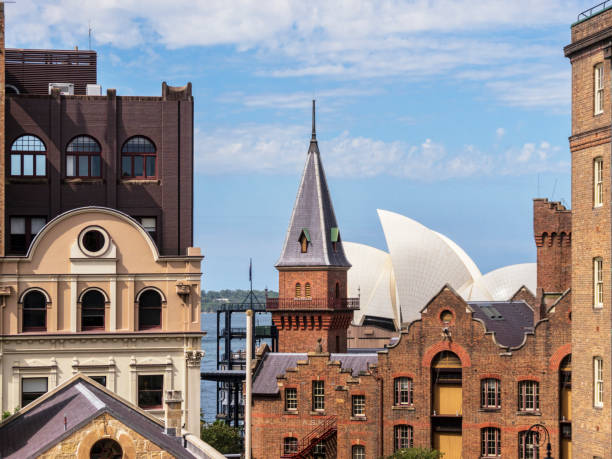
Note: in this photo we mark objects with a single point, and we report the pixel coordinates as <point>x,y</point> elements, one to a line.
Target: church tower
<point>589,52</point>
<point>312,270</point>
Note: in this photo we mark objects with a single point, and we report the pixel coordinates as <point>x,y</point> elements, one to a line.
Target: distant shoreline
<point>212,299</point>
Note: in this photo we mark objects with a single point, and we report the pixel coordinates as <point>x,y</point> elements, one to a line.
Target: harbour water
<point>208,389</point>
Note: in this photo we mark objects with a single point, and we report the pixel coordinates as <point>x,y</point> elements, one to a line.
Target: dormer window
<point>304,240</point>
<point>335,238</point>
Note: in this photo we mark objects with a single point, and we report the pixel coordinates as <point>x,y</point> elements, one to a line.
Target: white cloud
<point>500,132</point>
<point>281,150</point>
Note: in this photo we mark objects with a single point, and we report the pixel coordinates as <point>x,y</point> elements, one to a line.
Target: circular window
<point>446,316</point>
<point>94,241</point>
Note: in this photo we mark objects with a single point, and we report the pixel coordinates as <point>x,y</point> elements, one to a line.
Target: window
<point>528,445</point>
<point>100,380</point>
<point>597,283</point>
<point>298,290</point>
<point>490,393</point>
<point>28,157</point>
<point>83,157</point>
<point>92,310</point>
<point>150,226</point>
<point>34,311</point>
<point>403,437</point>
<point>446,317</point>
<point>31,389</point>
<point>358,452</point>
<point>105,449</point>
<point>23,231</point>
<point>598,382</point>
<point>291,399</point>
<point>319,451</point>
<point>403,391</point>
<point>599,88</point>
<point>138,158</point>
<point>598,182</point>
<point>358,405</point>
<point>149,310</point>
<point>529,398</point>
<point>150,389</point>
<point>318,395</point>
<point>304,240</point>
<point>307,289</point>
<point>290,445</point>
<point>490,442</point>
<point>335,238</point>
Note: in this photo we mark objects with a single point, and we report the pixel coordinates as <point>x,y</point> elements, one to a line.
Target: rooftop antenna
<point>314,129</point>
<point>89,33</point>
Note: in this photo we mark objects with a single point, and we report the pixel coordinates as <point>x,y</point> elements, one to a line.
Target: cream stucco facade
<point>121,268</point>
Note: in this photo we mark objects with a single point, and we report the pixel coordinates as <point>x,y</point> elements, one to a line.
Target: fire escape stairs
<point>319,434</point>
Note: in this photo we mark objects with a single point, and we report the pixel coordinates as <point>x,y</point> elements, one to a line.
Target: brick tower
<point>312,269</point>
<point>589,52</point>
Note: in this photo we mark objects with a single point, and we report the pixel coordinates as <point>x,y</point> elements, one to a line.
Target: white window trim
<point>598,382</point>
<point>598,182</point>
<point>599,89</point>
<point>598,283</point>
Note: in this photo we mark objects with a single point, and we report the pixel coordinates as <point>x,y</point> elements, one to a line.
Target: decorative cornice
<point>194,357</point>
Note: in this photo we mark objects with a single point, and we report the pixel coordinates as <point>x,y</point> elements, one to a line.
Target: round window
<point>446,316</point>
<point>94,241</point>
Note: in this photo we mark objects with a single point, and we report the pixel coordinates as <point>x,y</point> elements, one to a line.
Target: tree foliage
<point>223,438</point>
<point>416,453</point>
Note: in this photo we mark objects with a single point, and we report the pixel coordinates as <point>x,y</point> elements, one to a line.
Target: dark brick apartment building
<point>64,151</point>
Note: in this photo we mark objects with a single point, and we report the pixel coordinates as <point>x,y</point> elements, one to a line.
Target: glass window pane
<point>83,166</point>
<point>138,166</point>
<point>95,166</point>
<point>36,224</point>
<point>70,166</point>
<point>34,384</point>
<point>15,164</point>
<point>126,166</point>
<point>41,165</point>
<point>148,223</point>
<point>18,225</point>
<point>150,166</point>
<point>28,164</point>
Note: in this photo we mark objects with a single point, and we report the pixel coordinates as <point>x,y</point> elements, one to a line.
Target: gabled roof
<point>40,425</point>
<point>313,215</point>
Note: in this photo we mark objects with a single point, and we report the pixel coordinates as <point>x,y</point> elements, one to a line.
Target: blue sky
<point>455,113</point>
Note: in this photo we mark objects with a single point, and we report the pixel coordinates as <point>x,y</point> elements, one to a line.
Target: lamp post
<point>541,433</point>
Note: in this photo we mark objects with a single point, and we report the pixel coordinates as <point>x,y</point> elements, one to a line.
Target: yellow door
<point>566,404</point>
<point>566,448</point>
<point>448,399</point>
<point>448,443</point>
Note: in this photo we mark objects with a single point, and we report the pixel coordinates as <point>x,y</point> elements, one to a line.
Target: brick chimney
<point>173,412</point>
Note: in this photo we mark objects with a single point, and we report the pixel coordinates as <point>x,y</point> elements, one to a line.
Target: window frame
<point>40,394</point>
<point>153,233</point>
<point>290,445</point>
<point>598,382</point>
<point>318,395</point>
<point>487,393</point>
<point>139,391</point>
<point>599,85</point>
<point>132,155</point>
<point>141,309</point>
<point>76,154</point>
<point>403,396</point>
<point>92,309</point>
<point>524,395</point>
<point>523,445</point>
<point>28,235</point>
<point>598,283</point>
<point>490,442</point>
<point>37,328</point>
<point>35,153</point>
<point>402,433</point>
<point>598,181</point>
<point>358,452</point>
<point>358,405</point>
<point>291,402</point>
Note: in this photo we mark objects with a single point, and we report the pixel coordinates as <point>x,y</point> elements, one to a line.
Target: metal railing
<point>594,10</point>
<point>321,433</point>
<point>273,304</point>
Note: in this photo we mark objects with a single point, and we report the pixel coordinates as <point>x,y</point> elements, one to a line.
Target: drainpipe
<point>380,417</point>
<point>248,385</point>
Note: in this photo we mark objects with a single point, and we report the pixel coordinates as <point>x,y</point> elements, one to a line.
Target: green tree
<point>416,453</point>
<point>223,438</point>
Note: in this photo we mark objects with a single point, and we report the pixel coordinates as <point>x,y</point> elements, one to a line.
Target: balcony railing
<point>594,10</point>
<point>273,304</point>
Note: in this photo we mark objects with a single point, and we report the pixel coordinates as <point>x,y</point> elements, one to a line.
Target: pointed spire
<point>314,128</point>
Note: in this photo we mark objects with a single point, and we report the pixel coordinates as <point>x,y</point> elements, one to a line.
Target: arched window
<point>34,311</point>
<point>92,310</point>
<point>28,157</point>
<point>528,445</point>
<point>138,158</point>
<point>149,310</point>
<point>83,157</point>
<point>403,436</point>
<point>298,290</point>
<point>358,452</point>
<point>307,289</point>
<point>490,442</point>
<point>106,448</point>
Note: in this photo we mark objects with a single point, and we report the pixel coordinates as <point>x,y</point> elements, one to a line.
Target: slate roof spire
<point>313,218</point>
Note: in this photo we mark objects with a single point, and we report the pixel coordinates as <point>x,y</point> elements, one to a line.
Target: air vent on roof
<point>93,90</point>
<point>491,312</point>
<point>65,89</point>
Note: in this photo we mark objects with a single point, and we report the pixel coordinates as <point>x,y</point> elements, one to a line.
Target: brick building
<point>467,378</point>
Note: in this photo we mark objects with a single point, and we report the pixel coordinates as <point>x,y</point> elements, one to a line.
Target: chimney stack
<point>173,401</point>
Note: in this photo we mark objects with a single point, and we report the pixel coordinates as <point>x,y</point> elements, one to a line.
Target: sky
<point>455,113</point>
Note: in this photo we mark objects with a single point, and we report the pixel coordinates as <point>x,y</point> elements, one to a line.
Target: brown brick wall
<point>591,233</point>
<point>2,134</point>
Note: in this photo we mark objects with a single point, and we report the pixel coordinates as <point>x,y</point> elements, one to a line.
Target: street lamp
<point>541,432</point>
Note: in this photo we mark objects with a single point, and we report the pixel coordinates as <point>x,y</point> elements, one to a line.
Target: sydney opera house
<point>394,286</point>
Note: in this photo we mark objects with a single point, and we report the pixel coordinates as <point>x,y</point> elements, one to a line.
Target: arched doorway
<point>106,449</point>
<point>447,404</point>
<point>565,411</point>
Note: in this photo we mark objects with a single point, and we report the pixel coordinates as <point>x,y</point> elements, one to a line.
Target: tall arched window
<point>34,311</point>
<point>28,157</point>
<point>92,310</point>
<point>138,158</point>
<point>298,290</point>
<point>83,157</point>
<point>307,289</point>
<point>106,448</point>
<point>149,310</point>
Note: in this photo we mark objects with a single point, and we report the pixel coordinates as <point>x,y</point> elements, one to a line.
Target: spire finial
<point>314,130</point>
